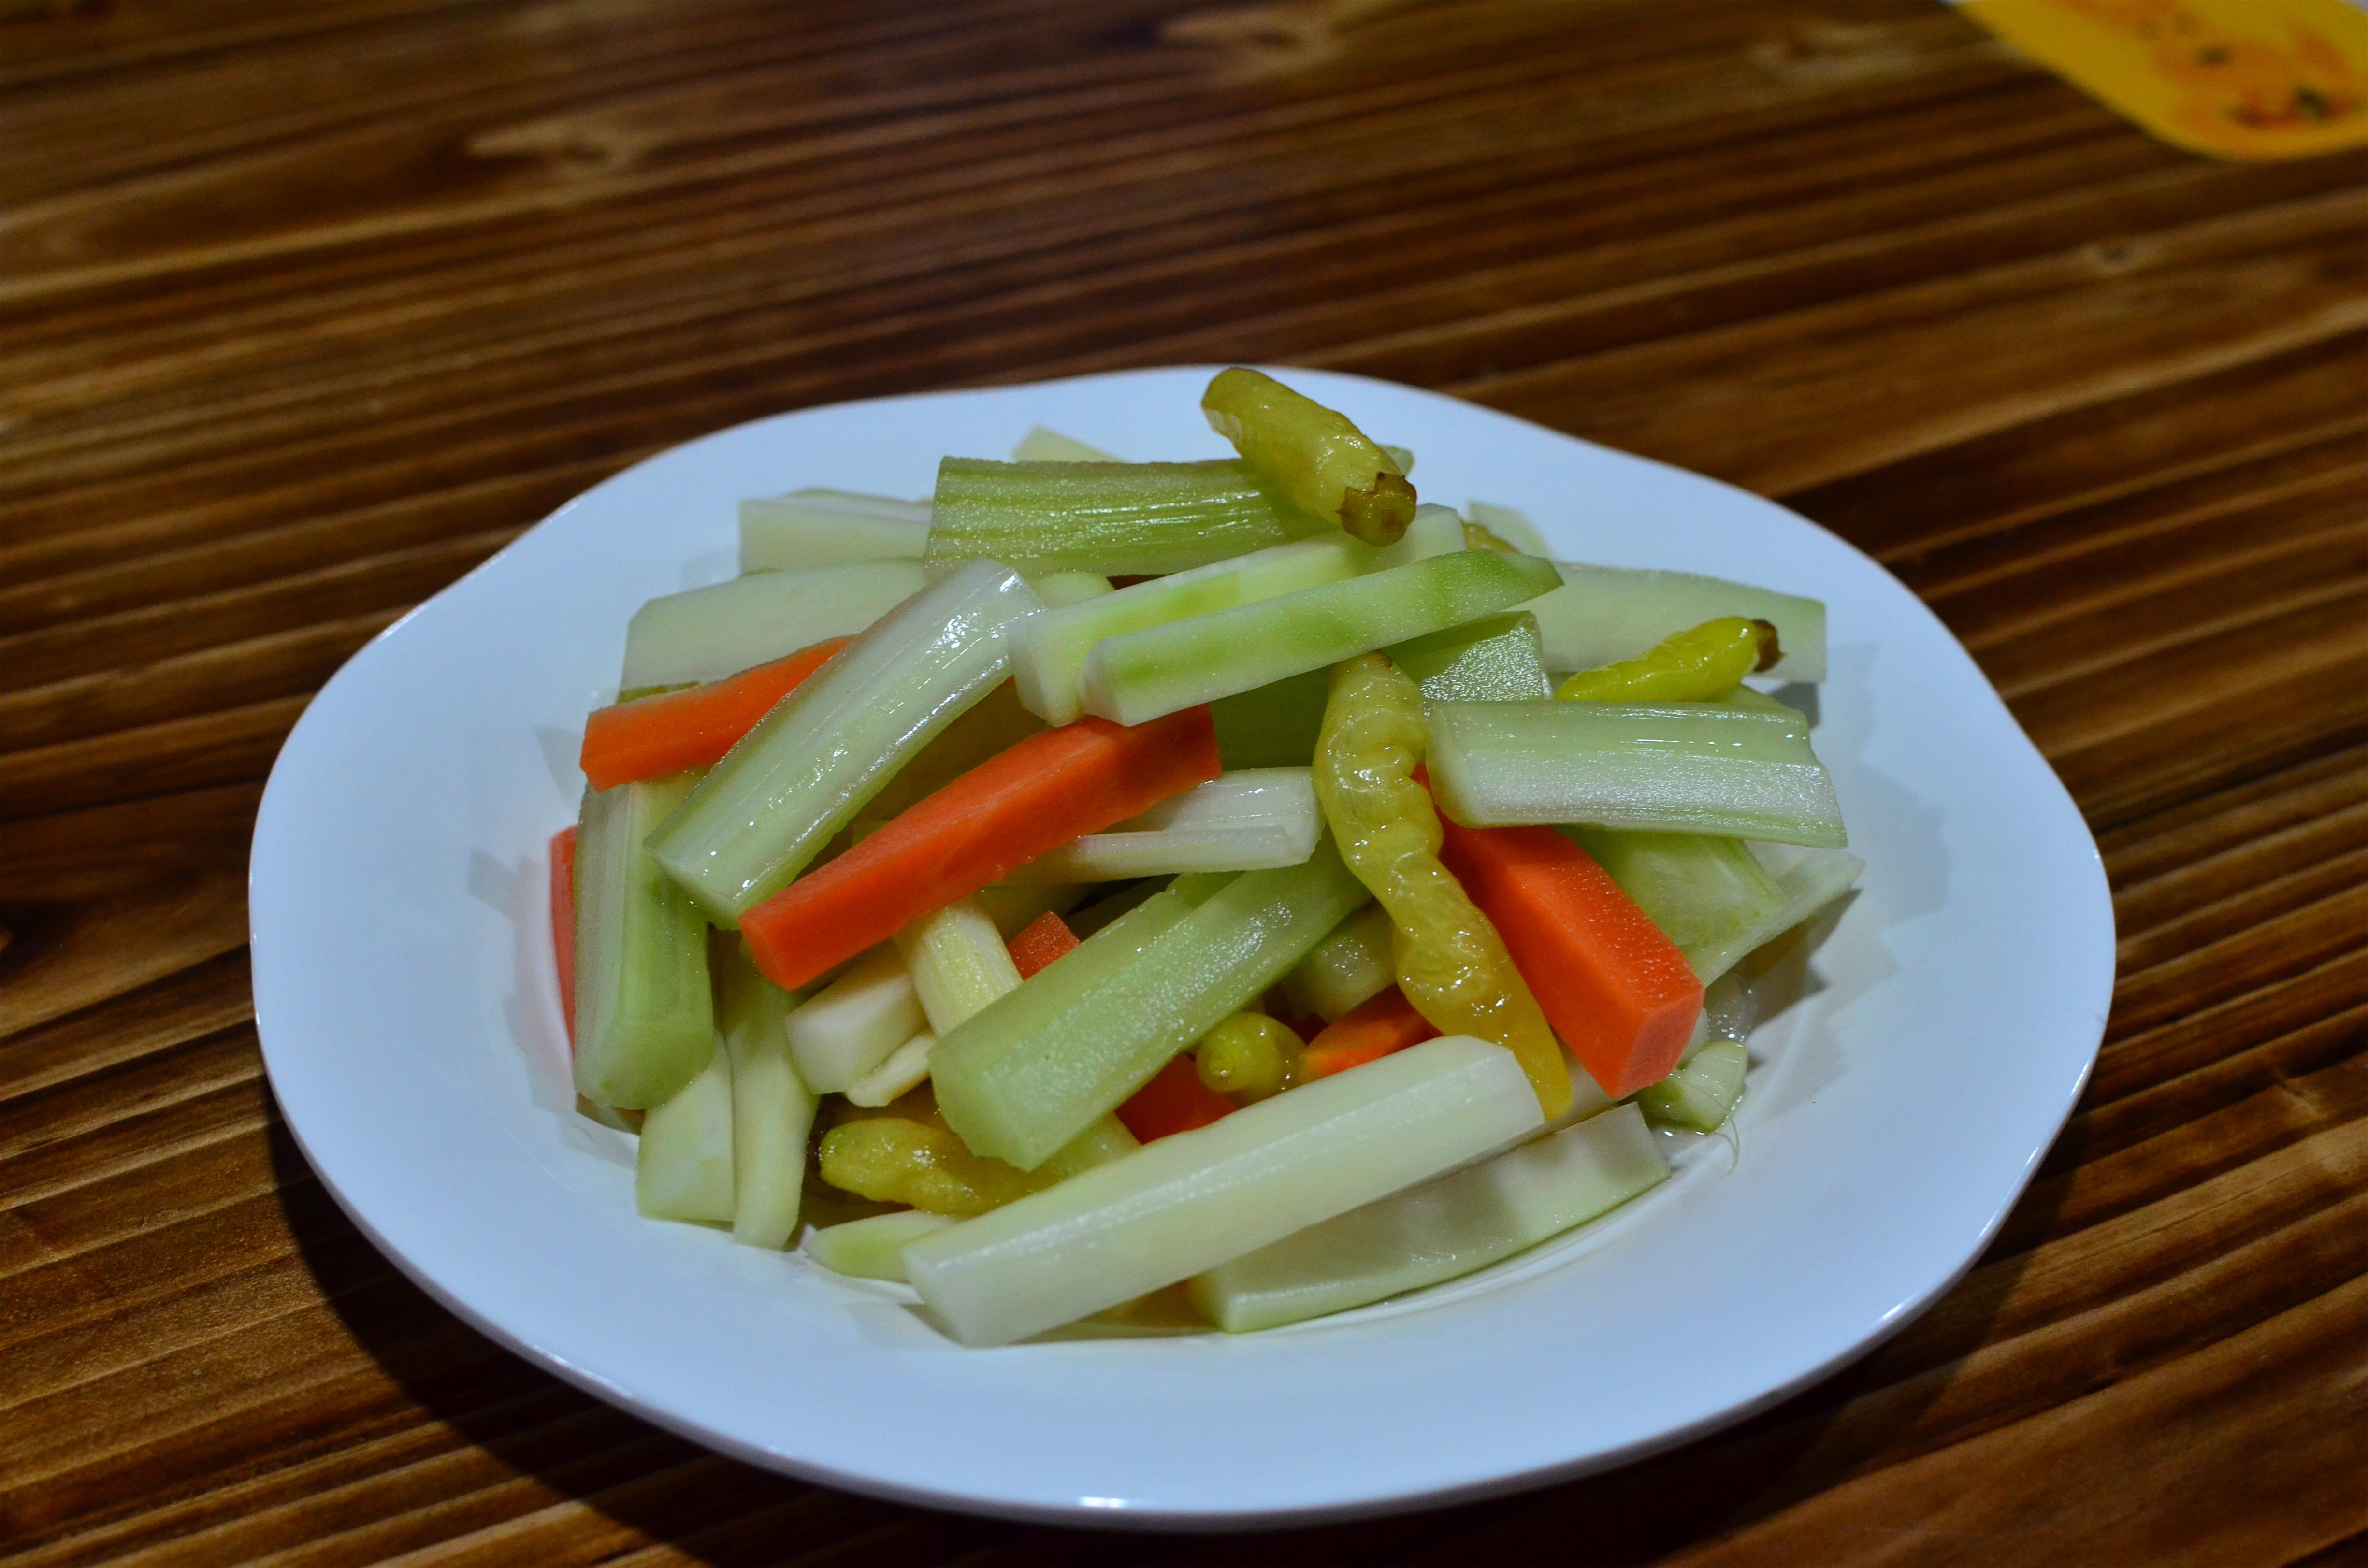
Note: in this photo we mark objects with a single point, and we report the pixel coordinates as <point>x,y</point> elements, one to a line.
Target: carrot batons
<point>1367,1032</point>
<point>1041,941</point>
<point>1009,810</point>
<point>1617,990</point>
<point>652,736</point>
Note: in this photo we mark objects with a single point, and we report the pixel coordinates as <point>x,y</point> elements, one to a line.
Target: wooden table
<point>309,308</point>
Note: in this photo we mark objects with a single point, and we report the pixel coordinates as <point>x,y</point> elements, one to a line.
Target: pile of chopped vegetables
<point>1110,877</point>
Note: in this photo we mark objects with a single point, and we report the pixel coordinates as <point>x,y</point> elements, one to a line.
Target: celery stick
<point>683,1169</point>
<point>707,633</point>
<point>1042,446</point>
<point>1049,658</point>
<point>873,1248</point>
<point>907,1068</point>
<point>1442,1229</point>
<point>1675,768</point>
<point>1708,895</point>
<point>1603,614</point>
<point>1275,726</point>
<point>1059,588</point>
<point>1346,969</point>
<point>772,1108</point>
<point>1241,820</point>
<point>853,1025</point>
<point>1113,518</point>
<point>807,529</point>
<point>1703,1092</point>
<point>1142,674</point>
<point>1026,1074</point>
<point>958,962</point>
<point>1187,1203</point>
<point>645,1010</point>
<point>764,812</point>
<point>1509,524</point>
<point>1498,658</point>
<point>1050,654</point>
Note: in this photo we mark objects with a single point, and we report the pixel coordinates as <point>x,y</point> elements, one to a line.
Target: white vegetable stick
<point>707,633</point>
<point>1242,821</point>
<point>807,529</point>
<point>854,1024</point>
<point>683,1169</point>
<point>907,1066</point>
<point>1187,1203</point>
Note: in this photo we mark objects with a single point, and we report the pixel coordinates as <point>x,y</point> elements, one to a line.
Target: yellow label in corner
<point>2234,78</point>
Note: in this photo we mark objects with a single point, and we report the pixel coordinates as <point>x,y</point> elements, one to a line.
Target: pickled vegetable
<point>1498,658</point>
<point>644,1012</point>
<point>873,1248</point>
<point>772,1108</point>
<point>1703,1092</point>
<point>892,1160</point>
<point>707,633</point>
<point>1603,613</point>
<point>1349,968</point>
<point>682,1168</point>
<point>1451,962</point>
<point>1313,455</point>
<point>1187,1203</point>
<point>807,529</point>
<point>1249,1055</point>
<point>1694,665</point>
<point>1108,518</point>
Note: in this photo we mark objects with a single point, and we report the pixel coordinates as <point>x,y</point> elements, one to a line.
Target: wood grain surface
<point>307,308</point>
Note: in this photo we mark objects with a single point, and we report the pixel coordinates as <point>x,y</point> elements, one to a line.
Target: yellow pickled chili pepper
<point>1451,964</point>
<point>1249,1055</point>
<point>892,1159</point>
<point>1320,462</point>
<point>1695,666</point>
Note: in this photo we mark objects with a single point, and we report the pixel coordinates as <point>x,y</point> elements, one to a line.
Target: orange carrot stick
<point>1174,1101</point>
<point>562,923</point>
<point>1011,808</point>
<point>1367,1032</point>
<point>1041,941</point>
<point>1617,990</point>
<point>651,736</point>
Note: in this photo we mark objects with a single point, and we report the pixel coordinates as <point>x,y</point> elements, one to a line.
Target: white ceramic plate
<point>410,1023</point>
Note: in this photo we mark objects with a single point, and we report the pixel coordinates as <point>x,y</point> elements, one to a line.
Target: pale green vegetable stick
<point>1142,674</point>
<point>707,633</point>
<point>1187,1203</point>
<point>645,1011</point>
<point>1673,767</point>
<point>807,529</point>
<point>763,812</point>
<point>1439,1231</point>
<point>772,1110</point>
<point>683,1169</point>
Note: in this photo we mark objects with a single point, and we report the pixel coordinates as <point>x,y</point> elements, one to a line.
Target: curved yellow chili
<point>1695,666</point>
<point>1451,964</point>
<point>890,1159</point>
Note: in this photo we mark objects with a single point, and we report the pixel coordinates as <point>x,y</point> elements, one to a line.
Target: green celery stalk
<point>1603,614</point>
<point>645,1011</point>
<point>807,529</point>
<point>1142,674</point>
<point>1703,1092</point>
<point>1026,1074</point>
<point>763,812</point>
<point>1498,658</point>
<point>683,1169</point>
<point>1245,820</point>
<point>772,1110</point>
<point>1673,767</point>
<point>1442,1229</point>
<point>707,633</point>
<point>1708,895</point>
<point>1049,657</point>
<point>1346,969</point>
<point>1187,1203</point>
<point>873,1248</point>
<point>1051,654</point>
<point>1112,519</point>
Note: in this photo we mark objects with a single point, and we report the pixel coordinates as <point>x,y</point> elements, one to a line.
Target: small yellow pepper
<point>1320,462</point>
<point>1249,1055</point>
<point>1451,964</point>
<point>1696,665</point>
<point>892,1159</point>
